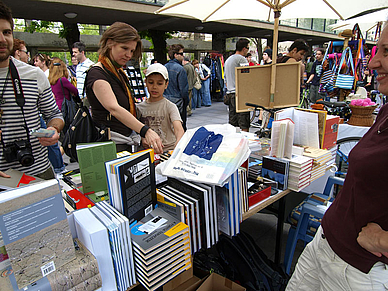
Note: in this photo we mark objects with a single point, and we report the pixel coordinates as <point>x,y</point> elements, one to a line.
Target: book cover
<point>91,159</point>
<point>35,230</point>
<point>225,215</point>
<point>137,185</point>
<point>156,229</point>
<point>81,269</point>
<point>331,132</point>
<point>277,170</point>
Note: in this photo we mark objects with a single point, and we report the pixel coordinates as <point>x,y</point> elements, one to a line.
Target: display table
<point>280,196</point>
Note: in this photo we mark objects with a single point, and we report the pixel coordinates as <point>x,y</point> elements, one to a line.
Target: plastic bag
<point>207,154</point>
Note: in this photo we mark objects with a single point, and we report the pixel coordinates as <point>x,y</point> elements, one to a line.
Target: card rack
<point>136,81</point>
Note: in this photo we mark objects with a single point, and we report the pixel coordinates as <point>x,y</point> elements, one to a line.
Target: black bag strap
<point>63,90</point>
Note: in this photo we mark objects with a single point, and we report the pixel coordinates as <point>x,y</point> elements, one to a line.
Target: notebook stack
<point>321,158</point>
<point>299,172</point>
<point>161,247</point>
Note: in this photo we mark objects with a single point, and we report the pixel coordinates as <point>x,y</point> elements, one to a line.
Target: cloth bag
<point>83,130</point>
<point>345,81</point>
<point>198,83</point>
<point>208,154</point>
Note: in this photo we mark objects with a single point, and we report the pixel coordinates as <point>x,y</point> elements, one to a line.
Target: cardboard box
<point>219,283</point>
<point>185,281</point>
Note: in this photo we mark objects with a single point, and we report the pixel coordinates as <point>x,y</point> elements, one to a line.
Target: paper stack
<point>299,172</point>
<point>162,250</point>
<point>321,157</point>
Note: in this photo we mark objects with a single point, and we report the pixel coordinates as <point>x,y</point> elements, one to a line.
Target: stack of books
<point>320,159</point>
<point>161,247</point>
<point>106,234</point>
<point>299,175</point>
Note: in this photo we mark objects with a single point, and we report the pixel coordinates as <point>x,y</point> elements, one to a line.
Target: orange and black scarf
<point>120,76</point>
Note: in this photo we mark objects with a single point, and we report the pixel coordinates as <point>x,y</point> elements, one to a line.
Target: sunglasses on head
<point>56,64</point>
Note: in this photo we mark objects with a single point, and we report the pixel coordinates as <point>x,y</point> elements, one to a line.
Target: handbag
<point>83,130</point>
<point>345,81</point>
<point>69,108</point>
<point>198,83</point>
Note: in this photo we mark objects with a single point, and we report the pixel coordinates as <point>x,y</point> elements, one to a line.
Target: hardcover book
<point>277,170</point>
<point>35,231</point>
<point>91,158</point>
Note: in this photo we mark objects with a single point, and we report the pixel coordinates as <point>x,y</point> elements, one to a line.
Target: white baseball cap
<point>157,68</point>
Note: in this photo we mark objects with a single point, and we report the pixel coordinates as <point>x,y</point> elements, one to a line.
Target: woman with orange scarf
<point>109,92</point>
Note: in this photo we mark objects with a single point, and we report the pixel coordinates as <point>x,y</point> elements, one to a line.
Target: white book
<point>94,235</point>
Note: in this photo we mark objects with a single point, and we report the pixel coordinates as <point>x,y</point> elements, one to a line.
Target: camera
<point>19,150</point>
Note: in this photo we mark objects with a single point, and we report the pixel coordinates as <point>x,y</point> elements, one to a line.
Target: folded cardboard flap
<point>219,283</point>
<point>180,280</point>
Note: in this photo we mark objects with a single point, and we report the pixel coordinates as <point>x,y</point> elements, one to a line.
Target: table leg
<point>279,231</point>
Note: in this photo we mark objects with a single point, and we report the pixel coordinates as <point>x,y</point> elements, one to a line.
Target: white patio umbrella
<point>215,10</point>
<point>366,22</point>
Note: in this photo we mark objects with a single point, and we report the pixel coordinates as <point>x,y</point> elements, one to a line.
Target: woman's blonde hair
<point>58,70</point>
<point>120,32</point>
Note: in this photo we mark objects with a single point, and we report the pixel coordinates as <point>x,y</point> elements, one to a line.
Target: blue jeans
<point>196,101</point>
<point>54,153</point>
<point>205,93</point>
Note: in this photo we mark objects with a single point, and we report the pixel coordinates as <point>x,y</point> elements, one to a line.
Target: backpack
<point>245,263</point>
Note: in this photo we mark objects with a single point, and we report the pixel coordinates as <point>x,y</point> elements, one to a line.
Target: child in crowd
<point>157,112</point>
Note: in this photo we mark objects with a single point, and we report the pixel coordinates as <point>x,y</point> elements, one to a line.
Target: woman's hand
<point>374,239</point>
<point>154,141</point>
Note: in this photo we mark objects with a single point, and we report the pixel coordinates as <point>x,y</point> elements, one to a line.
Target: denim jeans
<point>54,153</point>
<point>205,93</point>
<point>196,102</point>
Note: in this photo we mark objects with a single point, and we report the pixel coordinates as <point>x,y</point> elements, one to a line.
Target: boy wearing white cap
<point>160,114</point>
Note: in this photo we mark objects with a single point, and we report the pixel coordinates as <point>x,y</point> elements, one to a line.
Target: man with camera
<point>24,92</point>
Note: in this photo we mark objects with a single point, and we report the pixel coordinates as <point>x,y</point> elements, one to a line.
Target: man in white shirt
<point>238,59</point>
<point>83,65</point>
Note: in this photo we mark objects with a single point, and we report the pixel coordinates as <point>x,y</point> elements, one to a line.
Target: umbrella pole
<point>274,57</point>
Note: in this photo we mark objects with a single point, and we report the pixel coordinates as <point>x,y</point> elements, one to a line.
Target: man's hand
<point>4,175</point>
<point>374,239</point>
<point>48,141</point>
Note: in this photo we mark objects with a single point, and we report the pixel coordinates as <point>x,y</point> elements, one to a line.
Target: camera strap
<point>17,86</point>
<point>19,96</point>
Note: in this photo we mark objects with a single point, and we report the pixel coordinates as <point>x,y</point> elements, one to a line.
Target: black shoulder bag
<point>69,108</point>
<point>83,130</point>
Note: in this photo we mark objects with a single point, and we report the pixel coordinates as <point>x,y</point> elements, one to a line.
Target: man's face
<point>319,56</point>
<point>23,54</point>
<point>78,55</point>
<point>6,40</point>
<point>298,55</point>
<point>179,55</point>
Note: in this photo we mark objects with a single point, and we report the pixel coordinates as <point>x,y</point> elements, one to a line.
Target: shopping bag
<point>345,81</point>
<point>207,154</point>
